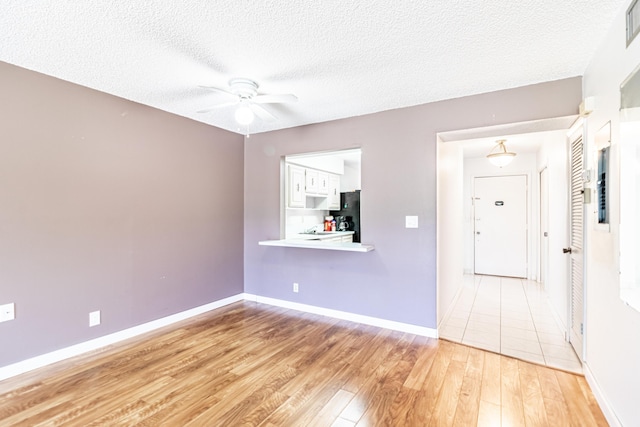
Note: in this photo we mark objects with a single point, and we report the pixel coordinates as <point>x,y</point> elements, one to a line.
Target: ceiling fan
<point>248,100</point>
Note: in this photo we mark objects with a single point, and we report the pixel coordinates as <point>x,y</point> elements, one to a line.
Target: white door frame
<point>543,230</point>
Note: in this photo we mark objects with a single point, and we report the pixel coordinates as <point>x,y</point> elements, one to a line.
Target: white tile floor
<point>512,317</point>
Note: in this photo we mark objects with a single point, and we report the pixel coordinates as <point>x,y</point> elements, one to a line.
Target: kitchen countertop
<point>315,241</point>
<point>323,235</point>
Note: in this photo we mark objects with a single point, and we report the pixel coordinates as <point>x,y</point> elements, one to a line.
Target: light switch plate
<point>411,221</point>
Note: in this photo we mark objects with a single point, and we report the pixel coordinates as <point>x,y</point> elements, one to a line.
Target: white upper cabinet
<point>296,184</point>
<point>311,181</point>
<point>312,189</point>
<point>334,192</point>
<point>323,183</point>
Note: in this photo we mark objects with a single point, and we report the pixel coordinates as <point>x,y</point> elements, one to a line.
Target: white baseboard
<point>78,349</point>
<point>94,344</point>
<point>344,315</point>
<point>607,410</point>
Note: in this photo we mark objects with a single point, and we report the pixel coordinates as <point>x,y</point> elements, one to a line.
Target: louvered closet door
<point>576,240</point>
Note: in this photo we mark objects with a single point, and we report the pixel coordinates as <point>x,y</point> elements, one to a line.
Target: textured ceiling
<point>341,58</point>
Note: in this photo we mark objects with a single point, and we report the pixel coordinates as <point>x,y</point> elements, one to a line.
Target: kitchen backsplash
<point>299,221</point>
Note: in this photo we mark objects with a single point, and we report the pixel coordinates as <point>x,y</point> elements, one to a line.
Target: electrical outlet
<point>94,318</point>
<point>296,287</point>
<point>7,312</point>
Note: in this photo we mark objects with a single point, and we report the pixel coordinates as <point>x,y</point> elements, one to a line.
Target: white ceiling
<point>524,137</point>
<point>341,58</point>
<point>527,143</point>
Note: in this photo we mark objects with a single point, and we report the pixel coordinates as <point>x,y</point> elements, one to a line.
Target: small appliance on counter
<point>329,223</point>
<point>348,217</point>
<point>343,225</point>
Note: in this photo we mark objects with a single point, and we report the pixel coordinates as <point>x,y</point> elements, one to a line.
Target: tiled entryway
<point>512,317</point>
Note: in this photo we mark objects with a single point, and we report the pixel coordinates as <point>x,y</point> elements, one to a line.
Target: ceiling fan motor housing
<point>244,88</point>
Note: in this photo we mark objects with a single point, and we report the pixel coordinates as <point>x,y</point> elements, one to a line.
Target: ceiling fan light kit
<point>499,156</point>
<point>244,114</point>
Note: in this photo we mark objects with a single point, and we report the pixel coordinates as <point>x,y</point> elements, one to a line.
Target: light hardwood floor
<point>251,364</point>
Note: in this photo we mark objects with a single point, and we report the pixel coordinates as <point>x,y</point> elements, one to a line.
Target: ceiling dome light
<point>499,156</point>
<point>244,115</point>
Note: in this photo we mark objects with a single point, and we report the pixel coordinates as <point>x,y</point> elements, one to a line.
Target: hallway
<point>512,317</point>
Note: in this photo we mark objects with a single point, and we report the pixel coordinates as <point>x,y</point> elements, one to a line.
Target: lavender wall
<point>397,281</point>
<point>108,205</point>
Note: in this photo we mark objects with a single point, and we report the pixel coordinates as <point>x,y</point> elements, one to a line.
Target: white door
<point>501,225</point>
<point>544,226</point>
<point>576,230</point>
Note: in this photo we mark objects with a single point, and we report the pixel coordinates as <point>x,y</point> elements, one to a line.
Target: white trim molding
<point>94,344</point>
<point>605,406</point>
<point>100,342</point>
<point>344,315</point>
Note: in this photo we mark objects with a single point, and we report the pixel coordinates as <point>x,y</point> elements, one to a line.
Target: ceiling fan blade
<point>275,99</point>
<point>217,89</point>
<point>218,106</point>
<point>262,112</point>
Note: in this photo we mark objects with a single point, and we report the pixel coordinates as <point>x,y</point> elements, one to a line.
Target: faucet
<point>311,230</point>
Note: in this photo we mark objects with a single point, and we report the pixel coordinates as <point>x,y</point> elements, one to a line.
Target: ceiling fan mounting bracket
<point>244,88</point>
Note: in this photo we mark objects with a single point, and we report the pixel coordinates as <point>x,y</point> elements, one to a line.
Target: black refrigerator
<point>350,210</point>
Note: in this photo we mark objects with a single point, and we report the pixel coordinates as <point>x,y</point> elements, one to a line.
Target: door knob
<point>566,250</point>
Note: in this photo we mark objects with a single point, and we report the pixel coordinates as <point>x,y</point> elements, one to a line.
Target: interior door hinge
<point>581,328</point>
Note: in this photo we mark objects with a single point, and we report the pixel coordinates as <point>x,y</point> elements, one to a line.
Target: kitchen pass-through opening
<point>321,193</point>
